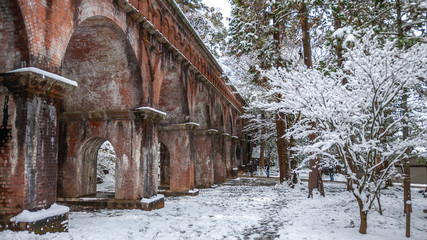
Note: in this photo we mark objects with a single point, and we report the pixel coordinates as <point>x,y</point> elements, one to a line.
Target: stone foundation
<point>54,219</point>
<point>91,204</point>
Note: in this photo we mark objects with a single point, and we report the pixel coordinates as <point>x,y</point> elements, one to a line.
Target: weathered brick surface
<point>181,159</point>
<point>204,168</point>
<point>123,55</point>
<point>28,169</point>
<point>220,172</point>
<point>12,177</point>
<point>14,52</point>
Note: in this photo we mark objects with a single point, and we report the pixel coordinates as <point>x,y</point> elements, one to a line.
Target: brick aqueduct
<point>77,73</point>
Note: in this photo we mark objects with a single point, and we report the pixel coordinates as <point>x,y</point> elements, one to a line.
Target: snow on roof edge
<point>47,74</point>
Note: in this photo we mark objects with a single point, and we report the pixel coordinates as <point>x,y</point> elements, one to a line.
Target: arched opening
<point>106,168</point>
<point>98,167</point>
<point>163,166</point>
<point>100,58</point>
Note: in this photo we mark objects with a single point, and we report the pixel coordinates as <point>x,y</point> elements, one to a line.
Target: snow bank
<point>27,216</point>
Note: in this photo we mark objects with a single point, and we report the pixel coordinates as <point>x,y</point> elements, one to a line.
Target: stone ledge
<point>188,126</point>
<point>145,113</point>
<point>91,204</point>
<point>152,203</point>
<point>37,81</point>
<point>169,193</point>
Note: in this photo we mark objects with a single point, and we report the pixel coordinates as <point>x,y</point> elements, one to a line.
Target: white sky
<point>223,5</point>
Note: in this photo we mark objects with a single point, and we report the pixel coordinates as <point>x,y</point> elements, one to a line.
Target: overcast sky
<point>223,5</point>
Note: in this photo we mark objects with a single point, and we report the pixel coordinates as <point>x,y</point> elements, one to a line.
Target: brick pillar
<point>179,139</point>
<point>204,167</point>
<point>29,99</point>
<point>220,173</point>
<point>227,155</point>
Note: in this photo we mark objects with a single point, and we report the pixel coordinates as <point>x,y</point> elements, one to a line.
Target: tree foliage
<point>207,22</point>
<point>353,93</point>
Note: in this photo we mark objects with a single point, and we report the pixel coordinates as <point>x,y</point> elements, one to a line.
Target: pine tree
<point>207,22</point>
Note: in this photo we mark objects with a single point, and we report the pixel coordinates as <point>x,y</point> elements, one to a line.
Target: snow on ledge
<point>153,199</point>
<point>47,74</point>
<point>235,169</point>
<point>27,216</point>
<point>192,123</point>
<point>151,109</point>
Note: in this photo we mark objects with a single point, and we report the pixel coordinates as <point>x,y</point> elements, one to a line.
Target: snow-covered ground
<point>250,208</point>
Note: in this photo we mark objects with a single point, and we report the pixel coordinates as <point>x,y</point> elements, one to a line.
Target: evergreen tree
<point>207,22</point>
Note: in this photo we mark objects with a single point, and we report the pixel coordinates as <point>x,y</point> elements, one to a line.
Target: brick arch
<point>218,120</point>
<point>229,122</point>
<point>86,172</point>
<point>164,165</point>
<point>166,27</point>
<point>173,96</point>
<point>238,126</point>
<point>100,58</point>
<point>14,47</point>
<point>201,111</point>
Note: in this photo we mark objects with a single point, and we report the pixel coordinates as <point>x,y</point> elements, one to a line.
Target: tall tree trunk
<point>308,61</point>
<point>405,134</point>
<point>262,150</point>
<point>292,159</point>
<point>282,144</point>
<point>337,25</point>
<point>282,148</point>
<point>303,14</point>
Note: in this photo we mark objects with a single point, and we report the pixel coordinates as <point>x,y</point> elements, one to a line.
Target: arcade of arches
<point>134,74</point>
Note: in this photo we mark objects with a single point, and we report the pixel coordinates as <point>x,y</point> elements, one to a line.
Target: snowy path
<point>248,209</point>
<point>270,224</point>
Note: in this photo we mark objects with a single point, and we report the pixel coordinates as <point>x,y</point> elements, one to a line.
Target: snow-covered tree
<point>358,123</point>
<point>207,22</point>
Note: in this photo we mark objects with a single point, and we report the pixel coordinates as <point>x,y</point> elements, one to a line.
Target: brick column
<point>220,173</point>
<point>29,100</point>
<point>228,158</point>
<point>204,164</point>
<point>179,139</point>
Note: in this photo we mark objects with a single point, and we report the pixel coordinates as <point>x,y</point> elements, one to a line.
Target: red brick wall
<point>29,156</point>
<point>41,146</point>
<point>13,38</point>
<point>12,177</point>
